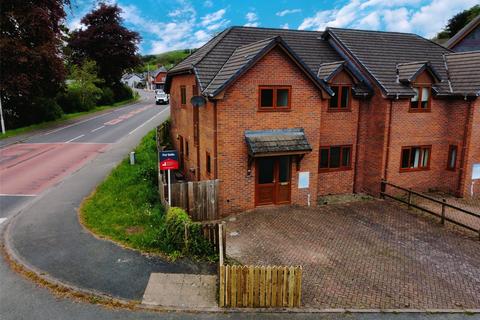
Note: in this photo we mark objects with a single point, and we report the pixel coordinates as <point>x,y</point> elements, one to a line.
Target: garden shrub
<point>107,97</point>
<point>192,243</point>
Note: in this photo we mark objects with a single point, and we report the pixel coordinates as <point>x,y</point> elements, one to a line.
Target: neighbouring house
<point>159,77</point>
<point>132,79</point>
<point>467,39</point>
<point>291,116</point>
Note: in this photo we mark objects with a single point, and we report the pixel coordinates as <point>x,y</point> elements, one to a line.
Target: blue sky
<point>177,24</point>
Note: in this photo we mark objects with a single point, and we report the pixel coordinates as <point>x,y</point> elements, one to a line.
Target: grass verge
<point>125,207</point>
<point>69,116</point>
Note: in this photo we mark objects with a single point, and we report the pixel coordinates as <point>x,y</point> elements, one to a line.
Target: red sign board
<point>168,160</point>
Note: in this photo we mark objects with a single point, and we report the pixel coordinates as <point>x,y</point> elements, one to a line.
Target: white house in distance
<point>132,79</point>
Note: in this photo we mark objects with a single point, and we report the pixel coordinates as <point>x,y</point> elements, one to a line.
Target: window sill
<point>274,110</point>
<point>414,170</point>
<point>419,110</point>
<point>333,170</point>
<point>338,110</point>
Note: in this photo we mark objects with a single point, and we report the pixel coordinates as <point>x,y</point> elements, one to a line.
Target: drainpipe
<point>463,163</point>
<point>387,151</point>
<point>215,142</point>
<point>357,143</point>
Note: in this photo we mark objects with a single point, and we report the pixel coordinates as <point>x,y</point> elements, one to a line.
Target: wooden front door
<point>272,180</point>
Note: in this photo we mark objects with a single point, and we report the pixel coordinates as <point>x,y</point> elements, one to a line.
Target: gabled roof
<point>408,72</point>
<point>207,61</point>
<point>244,57</point>
<point>464,73</point>
<point>378,54</point>
<point>160,69</point>
<point>373,57</point>
<point>465,31</point>
<point>329,70</point>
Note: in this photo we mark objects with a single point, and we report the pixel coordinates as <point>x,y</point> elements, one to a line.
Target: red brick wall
<point>372,143</point>
<point>182,124</point>
<point>160,78</point>
<point>471,188</point>
<point>238,112</point>
<point>338,128</point>
<point>441,127</point>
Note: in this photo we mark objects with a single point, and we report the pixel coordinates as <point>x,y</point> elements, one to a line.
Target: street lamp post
<point>1,116</point>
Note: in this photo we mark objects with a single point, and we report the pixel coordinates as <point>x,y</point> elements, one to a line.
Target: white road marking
<point>17,195</point>
<point>100,115</point>
<point>82,135</point>
<point>97,128</point>
<point>2,220</point>
<point>148,121</point>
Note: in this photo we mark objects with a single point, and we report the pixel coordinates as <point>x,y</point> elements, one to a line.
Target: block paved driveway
<point>368,254</point>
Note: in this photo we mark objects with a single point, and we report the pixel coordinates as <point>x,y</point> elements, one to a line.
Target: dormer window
<point>341,99</point>
<point>420,102</point>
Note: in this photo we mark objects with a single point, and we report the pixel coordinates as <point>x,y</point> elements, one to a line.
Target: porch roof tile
<point>279,141</point>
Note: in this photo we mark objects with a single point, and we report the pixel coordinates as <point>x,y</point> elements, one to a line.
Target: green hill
<point>166,59</point>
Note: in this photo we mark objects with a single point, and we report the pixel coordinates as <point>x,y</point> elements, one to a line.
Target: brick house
<point>292,115</point>
<point>467,39</point>
<point>159,77</point>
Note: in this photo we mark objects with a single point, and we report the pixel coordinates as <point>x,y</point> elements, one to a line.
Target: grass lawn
<point>126,206</point>
<point>43,125</point>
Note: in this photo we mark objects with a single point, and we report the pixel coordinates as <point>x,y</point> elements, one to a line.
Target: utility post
<point>1,116</point>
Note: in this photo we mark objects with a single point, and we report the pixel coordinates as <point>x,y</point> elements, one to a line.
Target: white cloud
<point>397,20</point>
<point>251,19</point>
<point>285,26</point>
<point>201,35</point>
<point>431,18</point>
<point>386,3</point>
<point>212,17</point>
<point>208,4</point>
<point>393,15</point>
<point>370,21</point>
<point>288,11</point>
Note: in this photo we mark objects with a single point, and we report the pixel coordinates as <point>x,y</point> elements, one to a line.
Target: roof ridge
<point>412,62</point>
<point>371,31</point>
<point>270,28</point>
<point>220,37</point>
<point>255,42</point>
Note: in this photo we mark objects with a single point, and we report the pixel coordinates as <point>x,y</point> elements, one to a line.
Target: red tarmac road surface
<point>28,169</point>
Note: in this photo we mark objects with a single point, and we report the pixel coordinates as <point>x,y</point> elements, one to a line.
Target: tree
<point>31,67</point>
<point>85,80</point>
<point>457,22</point>
<point>105,41</point>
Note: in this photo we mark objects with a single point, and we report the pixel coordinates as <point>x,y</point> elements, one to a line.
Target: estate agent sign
<point>168,160</point>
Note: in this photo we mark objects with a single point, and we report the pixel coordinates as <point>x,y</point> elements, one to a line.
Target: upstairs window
<point>341,101</point>
<point>335,158</point>
<point>452,157</point>
<point>274,98</point>
<point>415,158</point>
<point>183,95</point>
<point>420,102</point>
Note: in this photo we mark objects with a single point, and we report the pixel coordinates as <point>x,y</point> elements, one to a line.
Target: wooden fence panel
<point>260,286</point>
<point>198,198</point>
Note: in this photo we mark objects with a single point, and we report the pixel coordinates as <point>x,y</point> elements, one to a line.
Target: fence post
<point>186,236</point>
<point>443,210</point>
<point>383,187</point>
<point>409,197</point>
<point>220,243</point>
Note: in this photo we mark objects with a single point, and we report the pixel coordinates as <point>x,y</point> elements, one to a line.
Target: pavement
<point>363,254</point>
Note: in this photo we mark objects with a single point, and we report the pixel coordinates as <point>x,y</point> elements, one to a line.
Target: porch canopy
<point>264,143</point>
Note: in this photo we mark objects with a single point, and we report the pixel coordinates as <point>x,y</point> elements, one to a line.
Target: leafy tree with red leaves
<point>105,41</point>
<point>31,66</point>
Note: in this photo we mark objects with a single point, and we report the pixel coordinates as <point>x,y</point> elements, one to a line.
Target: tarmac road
<point>29,168</point>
